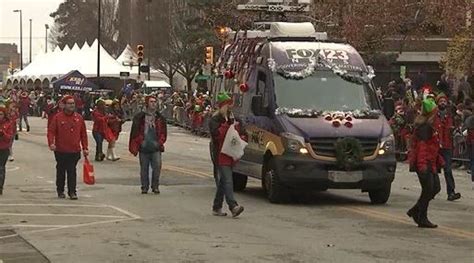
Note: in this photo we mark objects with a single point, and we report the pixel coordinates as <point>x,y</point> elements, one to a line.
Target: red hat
<point>147,99</point>
<point>440,97</point>
<point>66,98</point>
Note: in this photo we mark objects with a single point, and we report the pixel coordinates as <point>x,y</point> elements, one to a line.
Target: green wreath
<point>349,153</point>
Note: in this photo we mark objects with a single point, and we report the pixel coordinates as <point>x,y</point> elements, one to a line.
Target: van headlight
<point>387,145</point>
<point>294,143</point>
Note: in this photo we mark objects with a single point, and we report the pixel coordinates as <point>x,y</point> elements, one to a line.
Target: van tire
<point>240,182</point>
<point>380,196</point>
<point>276,192</point>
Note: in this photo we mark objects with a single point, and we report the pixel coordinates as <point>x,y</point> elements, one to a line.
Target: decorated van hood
<point>295,56</point>
<point>323,127</point>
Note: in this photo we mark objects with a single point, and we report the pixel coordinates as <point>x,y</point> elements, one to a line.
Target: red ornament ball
<point>349,125</point>
<point>348,118</point>
<point>229,74</point>
<point>244,87</point>
<point>328,118</point>
<point>336,123</point>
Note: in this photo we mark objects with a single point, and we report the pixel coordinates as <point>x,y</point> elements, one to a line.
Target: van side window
<point>262,88</point>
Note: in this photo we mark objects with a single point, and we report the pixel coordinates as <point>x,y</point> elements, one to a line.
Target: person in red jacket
<point>425,161</point>
<point>147,140</point>
<point>6,136</point>
<point>218,126</point>
<point>13,116</point>
<point>114,126</point>
<point>445,127</point>
<point>25,104</point>
<point>66,135</point>
<point>99,118</point>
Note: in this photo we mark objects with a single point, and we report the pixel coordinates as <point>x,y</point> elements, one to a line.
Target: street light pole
<point>21,37</point>
<point>31,23</point>
<point>46,27</point>
<point>98,42</point>
<point>149,38</point>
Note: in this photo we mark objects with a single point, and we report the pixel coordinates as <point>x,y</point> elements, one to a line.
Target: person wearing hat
<point>114,121</point>
<point>147,140</point>
<point>25,104</point>
<point>445,126</point>
<point>67,135</point>
<point>223,164</point>
<point>425,161</point>
<point>6,136</point>
<point>99,118</point>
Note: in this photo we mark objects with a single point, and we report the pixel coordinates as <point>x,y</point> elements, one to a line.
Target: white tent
<point>59,62</point>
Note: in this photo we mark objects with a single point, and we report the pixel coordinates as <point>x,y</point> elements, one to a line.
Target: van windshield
<point>323,91</point>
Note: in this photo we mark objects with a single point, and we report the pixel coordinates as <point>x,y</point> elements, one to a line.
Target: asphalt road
<point>113,222</point>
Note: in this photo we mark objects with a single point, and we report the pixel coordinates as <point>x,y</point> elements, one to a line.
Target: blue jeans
<point>447,155</point>
<point>99,140</point>
<point>148,160</point>
<point>225,187</point>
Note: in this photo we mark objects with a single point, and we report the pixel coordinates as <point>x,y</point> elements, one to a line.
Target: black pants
<point>66,164</point>
<point>430,187</point>
<point>4,153</point>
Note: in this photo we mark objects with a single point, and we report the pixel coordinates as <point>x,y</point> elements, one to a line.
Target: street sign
<point>144,68</point>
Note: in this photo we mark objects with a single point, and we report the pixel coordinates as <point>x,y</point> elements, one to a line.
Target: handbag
<point>233,145</point>
<point>88,172</point>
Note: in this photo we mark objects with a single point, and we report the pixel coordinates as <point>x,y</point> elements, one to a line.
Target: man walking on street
<point>147,140</point>
<point>445,126</point>
<point>25,104</point>
<point>223,164</point>
<point>66,134</point>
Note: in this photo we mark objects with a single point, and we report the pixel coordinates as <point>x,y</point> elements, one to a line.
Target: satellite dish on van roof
<point>295,30</point>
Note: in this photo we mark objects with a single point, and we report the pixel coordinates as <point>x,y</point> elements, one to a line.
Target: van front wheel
<point>275,190</point>
<point>240,182</point>
<point>380,196</point>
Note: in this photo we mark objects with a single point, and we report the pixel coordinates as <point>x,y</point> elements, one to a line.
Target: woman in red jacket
<point>425,161</point>
<point>223,164</point>
<point>99,118</point>
<point>113,129</point>
<point>13,116</point>
<point>5,143</point>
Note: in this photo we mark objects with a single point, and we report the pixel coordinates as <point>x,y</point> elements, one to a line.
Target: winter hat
<point>428,106</point>
<point>99,101</point>
<point>66,98</point>
<point>224,99</point>
<point>147,99</point>
<point>440,97</point>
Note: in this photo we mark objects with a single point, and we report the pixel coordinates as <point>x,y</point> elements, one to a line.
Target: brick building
<point>8,53</point>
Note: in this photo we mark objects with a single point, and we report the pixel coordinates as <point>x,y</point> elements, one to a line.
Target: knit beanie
<point>224,99</point>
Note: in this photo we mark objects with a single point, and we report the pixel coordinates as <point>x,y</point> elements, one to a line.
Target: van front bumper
<point>303,171</point>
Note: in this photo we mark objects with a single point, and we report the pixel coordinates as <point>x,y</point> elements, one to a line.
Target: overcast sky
<point>38,10</point>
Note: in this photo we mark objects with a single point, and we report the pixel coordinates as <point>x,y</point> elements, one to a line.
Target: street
<point>113,222</point>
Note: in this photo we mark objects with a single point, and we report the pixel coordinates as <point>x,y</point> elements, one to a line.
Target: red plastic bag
<point>88,172</point>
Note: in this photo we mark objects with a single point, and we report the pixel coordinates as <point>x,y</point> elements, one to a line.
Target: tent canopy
<point>74,81</point>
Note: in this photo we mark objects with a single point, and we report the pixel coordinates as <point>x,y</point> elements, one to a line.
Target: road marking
<point>12,168</point>
<point>62,215</point>
<point>394,218</point>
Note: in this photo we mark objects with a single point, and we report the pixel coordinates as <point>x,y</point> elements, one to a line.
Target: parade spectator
<point>218,126</point>
<point>425,161</point>
<point>114,121</point>
<point>147,140</point>
<point>5,143</point>
<point>13,116</point>
<point>25,104</point>
<point>79,104</point>
<point>98,129</point>
<point>66,134</point>
<point>465,90</point>
<point>469,132</point>
<point>445,126</point>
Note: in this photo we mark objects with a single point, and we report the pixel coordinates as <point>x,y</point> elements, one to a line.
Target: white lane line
<point>13,168</point>
<point>64,215</point>
<point>37,226</point>
<point>57,205</point>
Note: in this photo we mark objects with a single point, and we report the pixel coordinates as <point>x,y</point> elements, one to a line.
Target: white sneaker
<point>11,159</point>
<point>218,213</point>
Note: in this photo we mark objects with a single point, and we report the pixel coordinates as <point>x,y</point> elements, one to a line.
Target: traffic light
<point>209,55</point>
<point>140,53</point>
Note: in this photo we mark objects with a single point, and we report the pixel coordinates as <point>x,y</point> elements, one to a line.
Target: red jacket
<point>424,154</point>
<point>137,134</point>
<point>6,134</point>
<point>68,133</point>
<point>24,105</point>
<point>100,121</point>
<point>445,126</point>
<point>218,128</point>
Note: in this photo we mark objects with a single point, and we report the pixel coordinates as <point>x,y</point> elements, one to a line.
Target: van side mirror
<point>257,106</point>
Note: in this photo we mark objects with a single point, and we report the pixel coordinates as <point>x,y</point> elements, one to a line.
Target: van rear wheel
<point>240,182</point>
<point>276,192</point>
<point>380,196</point>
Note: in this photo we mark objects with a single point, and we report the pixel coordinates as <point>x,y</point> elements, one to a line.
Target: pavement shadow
<point>319,198</point>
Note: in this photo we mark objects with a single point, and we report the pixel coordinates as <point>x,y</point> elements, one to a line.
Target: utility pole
<point>31,23</point>
<point>149,37</point>
<point>46,26</point>
<point>98,43</point>
<point>21,37</point>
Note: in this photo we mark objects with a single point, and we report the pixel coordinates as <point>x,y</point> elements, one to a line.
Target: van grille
<point>327,146</point>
